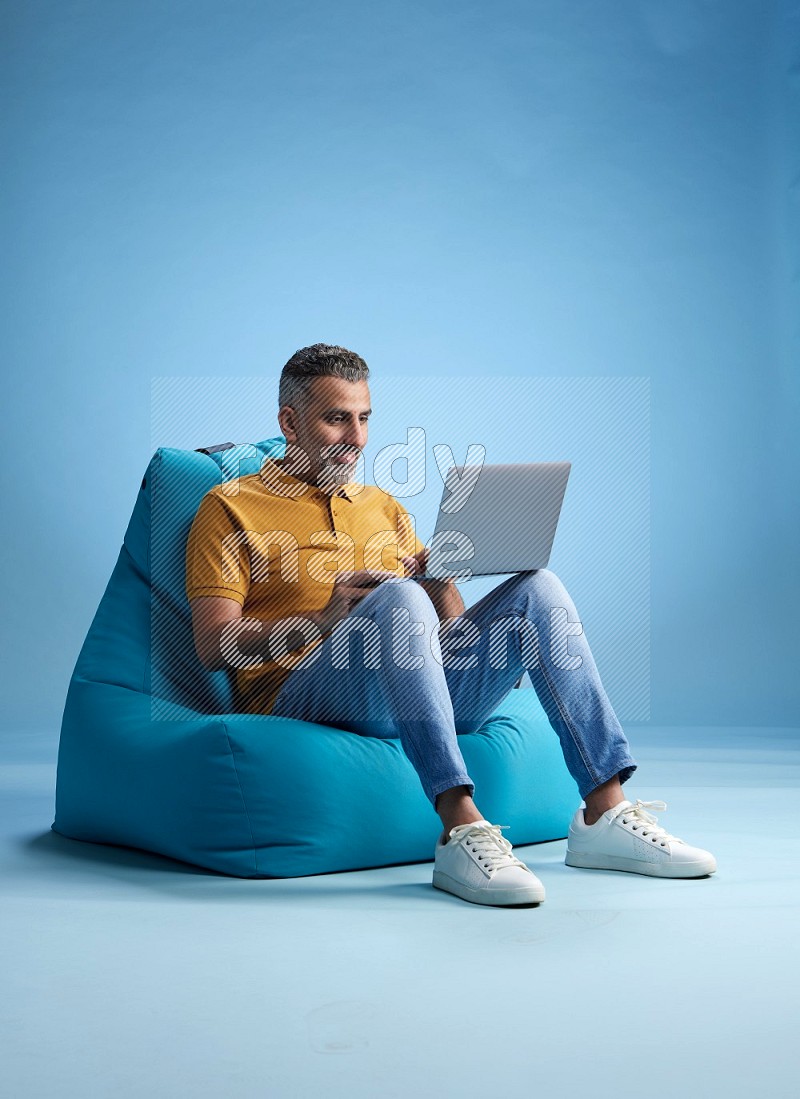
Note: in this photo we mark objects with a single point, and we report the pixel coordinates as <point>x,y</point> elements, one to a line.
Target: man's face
<point>331,427</point>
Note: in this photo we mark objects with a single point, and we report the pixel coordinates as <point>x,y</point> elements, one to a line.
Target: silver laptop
<point>496,519</point>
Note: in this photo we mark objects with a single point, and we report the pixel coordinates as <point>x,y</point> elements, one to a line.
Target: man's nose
<point>356,435</point>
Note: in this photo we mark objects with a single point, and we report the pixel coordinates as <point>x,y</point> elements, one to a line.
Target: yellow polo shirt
<point>275,544</point>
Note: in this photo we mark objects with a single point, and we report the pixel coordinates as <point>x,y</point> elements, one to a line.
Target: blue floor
<point>126,974</point>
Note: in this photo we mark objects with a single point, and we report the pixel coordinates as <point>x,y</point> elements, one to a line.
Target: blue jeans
<point>390,670</point>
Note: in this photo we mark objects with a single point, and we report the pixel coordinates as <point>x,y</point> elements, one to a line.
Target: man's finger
<point>367,579</point>
<point>358,579</point>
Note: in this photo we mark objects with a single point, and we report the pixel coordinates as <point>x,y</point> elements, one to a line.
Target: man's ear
<point>287,421</point>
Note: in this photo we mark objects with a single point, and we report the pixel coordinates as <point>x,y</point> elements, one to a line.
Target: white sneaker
<point>476,864</point>
<point>627,837</point>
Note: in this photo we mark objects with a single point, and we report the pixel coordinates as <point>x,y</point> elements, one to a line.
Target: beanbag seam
<point>241,791</point>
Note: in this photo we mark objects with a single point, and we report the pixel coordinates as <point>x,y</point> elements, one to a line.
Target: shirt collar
<point>347,491</point>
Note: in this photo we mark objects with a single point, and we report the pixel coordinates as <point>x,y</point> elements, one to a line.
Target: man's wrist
<point>313,617</point>
<point>319,619</point>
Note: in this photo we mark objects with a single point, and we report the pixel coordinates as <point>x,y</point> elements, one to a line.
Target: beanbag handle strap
<point>214,449</point>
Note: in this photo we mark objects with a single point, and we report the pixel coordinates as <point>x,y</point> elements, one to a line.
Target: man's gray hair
<point>320,360</point>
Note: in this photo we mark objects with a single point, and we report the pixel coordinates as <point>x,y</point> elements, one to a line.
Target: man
<point>288,569</point>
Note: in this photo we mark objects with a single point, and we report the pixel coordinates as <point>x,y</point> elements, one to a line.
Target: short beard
<point>332,474</point>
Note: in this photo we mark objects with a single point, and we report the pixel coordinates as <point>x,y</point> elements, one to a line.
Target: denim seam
<point>384,684</point>
<point>576,739</point>
<point>564,715</point>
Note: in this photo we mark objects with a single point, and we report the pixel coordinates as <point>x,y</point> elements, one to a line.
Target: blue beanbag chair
<point>152,756</point>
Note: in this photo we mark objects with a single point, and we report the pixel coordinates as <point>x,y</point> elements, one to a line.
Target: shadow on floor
<point>53,846</point>
<point>80,861</point>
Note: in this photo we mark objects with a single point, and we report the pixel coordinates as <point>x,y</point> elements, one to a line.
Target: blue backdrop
<point>547,189</point>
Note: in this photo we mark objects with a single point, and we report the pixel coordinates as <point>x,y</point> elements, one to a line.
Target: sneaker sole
<point>635,866</point>
<point>532,894</point>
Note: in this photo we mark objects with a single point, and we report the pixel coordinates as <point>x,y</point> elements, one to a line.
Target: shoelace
<point>492,848</point>
<point>648,825</point>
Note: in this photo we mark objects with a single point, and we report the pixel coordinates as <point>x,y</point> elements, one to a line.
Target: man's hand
<point>349,588</point>
<point>418,563</point>
<point>444,593</point>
